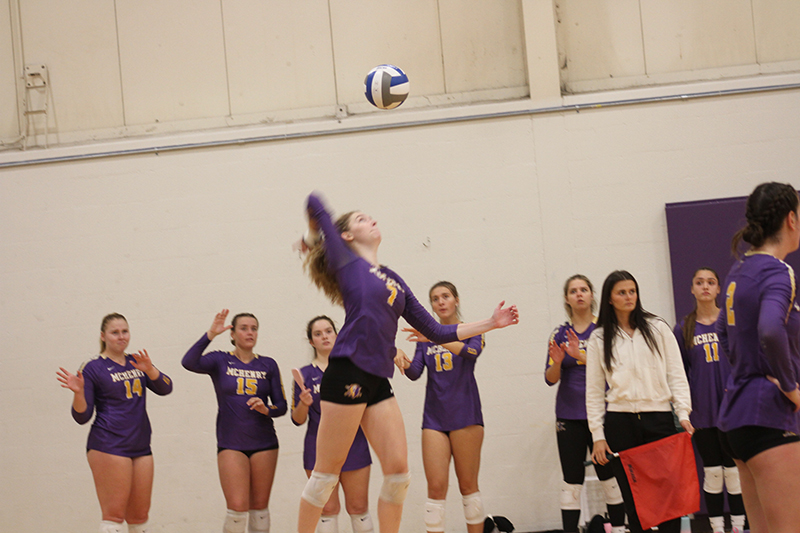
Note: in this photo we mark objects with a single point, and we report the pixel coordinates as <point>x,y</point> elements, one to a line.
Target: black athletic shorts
<point>248,453</point>
<point>345,383</point>
<point>746,442</point>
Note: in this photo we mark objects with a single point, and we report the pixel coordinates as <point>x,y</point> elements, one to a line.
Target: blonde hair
<point>316,263</point>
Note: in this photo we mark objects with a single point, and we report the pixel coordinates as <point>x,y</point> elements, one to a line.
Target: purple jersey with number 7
<point>118,394</point>
<point>374,300</point>
<point>759,330</point>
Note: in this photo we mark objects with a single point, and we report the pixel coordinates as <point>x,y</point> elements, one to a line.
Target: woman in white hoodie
<point>635,353</point>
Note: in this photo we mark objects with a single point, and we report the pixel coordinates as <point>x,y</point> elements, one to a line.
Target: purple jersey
<point>451,394</point>
<point>118,393</point>
<point>571,396</point>
<point>759,330</point>
<point>374,299</point>
<point>707,369</point>
<point>235,382</point>
<point>359,455</point>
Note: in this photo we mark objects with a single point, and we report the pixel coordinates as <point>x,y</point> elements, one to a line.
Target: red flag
<point>663,479</point>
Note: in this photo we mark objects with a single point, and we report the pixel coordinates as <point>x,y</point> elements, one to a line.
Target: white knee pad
<point>571,497</point>
<point>434,515</point>
<point>107,526</point>
<point>362,523</point>
<point>259,521</point>
<point>395,488</point>
<point>235,522</point>
<point>712,479</point>
<point>611,491</point>
<point>319,488</point>
<point>139,528</point>
<point>732,482</point>
<point>328,524</point>
<point>473,508</point>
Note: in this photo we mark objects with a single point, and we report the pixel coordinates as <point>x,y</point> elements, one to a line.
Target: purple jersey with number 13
<point>118,393</point>
<point>571,396</point>
<point>374,299</point>
<point>451,394</point>
<point>759,329</point>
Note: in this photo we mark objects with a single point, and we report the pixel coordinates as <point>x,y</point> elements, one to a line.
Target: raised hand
<point>503,317</point>
<point>218,325</point>
<point>556,352</point>
<point>73,382</point>
<point>141,361</point>
<point>402,361</point>
<point>415,336</point>
<point>306,398</point>
<point>573,346</point>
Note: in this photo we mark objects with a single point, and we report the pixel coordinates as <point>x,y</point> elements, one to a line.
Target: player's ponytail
<point>767,208</point>
<point>316,263</point>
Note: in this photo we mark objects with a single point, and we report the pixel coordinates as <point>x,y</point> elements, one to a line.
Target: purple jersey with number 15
<point>451,394</point>
<point>118,394</point>
<point>759,330</point>
<point>571,396</point>
<point>357,458</point>
<point>374,299</point>
<point>238,426</point>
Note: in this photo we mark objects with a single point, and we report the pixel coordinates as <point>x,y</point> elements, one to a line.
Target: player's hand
<point>141,361</point>
<point>73,382</point>
<point>503,317</point>
<point>599,452</point>
<point>218,325</point>
<point>306,398</point>
<point>794,396</point>
<point>573,346</point>
<point>402,361</point>
<point>687,426</point>
<point>556,352</point>
<point>415,336</point>
<point>257,404</point>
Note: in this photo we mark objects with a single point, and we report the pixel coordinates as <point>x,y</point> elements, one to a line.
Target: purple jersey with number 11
<point>238,426</point>
<point>451,395</point>
<point>571,396</point>
<point>118,393</point>
<point>707,369</point>
<point>357,458</point>
<point>759,329</point>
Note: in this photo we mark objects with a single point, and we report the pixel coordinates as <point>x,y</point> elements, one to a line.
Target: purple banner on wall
<point>700,235</point>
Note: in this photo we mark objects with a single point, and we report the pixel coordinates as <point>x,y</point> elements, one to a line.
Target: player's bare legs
<point>141,490</point>
<point>383,425</point>
<point>337,429</point>
<point>113,476</point>
<point>356,490</point>
<point>770,487</point>
<point>234,477</point>
<point>262,473</point>
<point>466,445</point>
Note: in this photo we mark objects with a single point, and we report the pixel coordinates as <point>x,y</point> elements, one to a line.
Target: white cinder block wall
<point>505,208</point>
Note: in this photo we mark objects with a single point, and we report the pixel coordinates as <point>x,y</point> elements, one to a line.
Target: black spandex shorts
<point>345,383</point>
<point>746,442</point>
<point>249,453</point>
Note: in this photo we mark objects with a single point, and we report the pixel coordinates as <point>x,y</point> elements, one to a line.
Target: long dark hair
<point>767,208</point>
<point>311,323</point>
<point>607,318</point>
<point>690,320</point>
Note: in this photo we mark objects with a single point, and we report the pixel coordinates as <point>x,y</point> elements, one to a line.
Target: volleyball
<point>386,86</point>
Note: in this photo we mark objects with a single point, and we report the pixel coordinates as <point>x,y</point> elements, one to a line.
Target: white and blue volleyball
<point>386,86</point>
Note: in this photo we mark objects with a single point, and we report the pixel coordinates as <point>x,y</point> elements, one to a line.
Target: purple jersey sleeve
<point>414,371</point>
<point>193,360</point>
<point>776,302</point>
<point>337,252</point>
<point>278,405</point>
<point>88,395</point>
<point>422,321</point>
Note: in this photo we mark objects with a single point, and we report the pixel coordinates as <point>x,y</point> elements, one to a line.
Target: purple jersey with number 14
<point>374,299</point>
<point>118,393</point>
<point>451,395</point>
<point>571,396</point>
<point>759,329</point>
<point>238,426</point>
<point>357,458</point>
<point>707,369</point>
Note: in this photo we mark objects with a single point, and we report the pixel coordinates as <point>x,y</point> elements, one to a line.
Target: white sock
<point>235,522</point>
<point>328,524</point>
<point>139,528</point>
<point>107,526</point>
